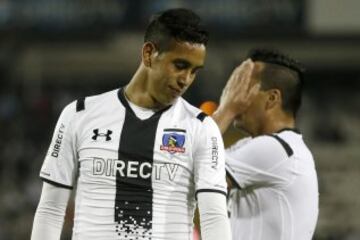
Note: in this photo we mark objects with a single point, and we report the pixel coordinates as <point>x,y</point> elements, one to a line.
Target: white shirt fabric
<point>127,188</point>
<point>49,217</point>
<point>278,195</point>
<point>142,113</point>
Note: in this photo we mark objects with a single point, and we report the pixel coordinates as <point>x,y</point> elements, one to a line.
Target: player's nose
<point>184,79</point>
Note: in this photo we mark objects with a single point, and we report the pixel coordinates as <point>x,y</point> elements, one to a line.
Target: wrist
<point>223,117</point>
<point>225,113</point>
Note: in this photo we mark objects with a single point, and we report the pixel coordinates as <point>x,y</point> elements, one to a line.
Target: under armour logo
<point>97,134</point>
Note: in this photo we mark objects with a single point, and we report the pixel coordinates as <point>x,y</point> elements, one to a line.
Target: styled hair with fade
<point>178,24</point>
<point>283,73</point>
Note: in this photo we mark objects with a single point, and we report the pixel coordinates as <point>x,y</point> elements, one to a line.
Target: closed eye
<point>181,64</point>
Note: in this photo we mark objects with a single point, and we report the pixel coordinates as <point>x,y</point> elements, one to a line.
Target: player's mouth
<point>174,91</point>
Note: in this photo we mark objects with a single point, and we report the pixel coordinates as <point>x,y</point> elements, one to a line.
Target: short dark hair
<point>179,24</point>
<point>283,73</point>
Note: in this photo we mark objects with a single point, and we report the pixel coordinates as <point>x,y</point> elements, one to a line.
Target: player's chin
<point>167,100</point>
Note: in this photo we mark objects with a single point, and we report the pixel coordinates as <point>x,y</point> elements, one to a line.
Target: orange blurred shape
<point>208,107</point>
<point>196,234</point>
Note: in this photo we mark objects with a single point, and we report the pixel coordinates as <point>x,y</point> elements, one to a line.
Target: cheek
<point>164,73</point>
<point>157,78</point>
<point>192,79</point>
<point>255,111</point>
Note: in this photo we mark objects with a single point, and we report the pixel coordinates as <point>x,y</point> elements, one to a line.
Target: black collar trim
<point>289,129</point>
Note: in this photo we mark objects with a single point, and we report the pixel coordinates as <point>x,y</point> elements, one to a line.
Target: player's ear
<point>148,53</point>
<point>273,98</point>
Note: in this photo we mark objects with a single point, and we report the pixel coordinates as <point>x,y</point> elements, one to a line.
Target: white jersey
<point>134,179</point>
<point>277,195</point>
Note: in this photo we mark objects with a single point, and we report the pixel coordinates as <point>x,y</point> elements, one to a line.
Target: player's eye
<point>181,65</point>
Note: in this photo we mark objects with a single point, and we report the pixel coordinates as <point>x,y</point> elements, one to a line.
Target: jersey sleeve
<point>209,159</point>
<point>261,162</point>
<point>59,167</point>
<point>240,143</point>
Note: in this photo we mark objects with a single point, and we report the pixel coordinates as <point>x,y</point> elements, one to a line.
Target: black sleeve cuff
<point>210,190</point>
<point>56,184</point>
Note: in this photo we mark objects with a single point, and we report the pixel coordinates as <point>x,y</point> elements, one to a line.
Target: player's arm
<point>210,185</point>
<point>213,216</point>
<point>236,96</point>
<point>58,173</point>
<point>49,216</point>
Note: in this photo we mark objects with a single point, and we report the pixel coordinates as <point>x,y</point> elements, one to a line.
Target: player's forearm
<point>49,216</point>
<point>214,221</point>
<point>223,118</point>
<point>47,226</point>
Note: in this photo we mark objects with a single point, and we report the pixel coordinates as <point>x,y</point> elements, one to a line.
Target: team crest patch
<point>173,143</point>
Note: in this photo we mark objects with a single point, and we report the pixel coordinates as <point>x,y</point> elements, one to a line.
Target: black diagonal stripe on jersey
<point>289,129</point>
<point>80,104</point>
<point>134,195</point>
<point>285,145</point>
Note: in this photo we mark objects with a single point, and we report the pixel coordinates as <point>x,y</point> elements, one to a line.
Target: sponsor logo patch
<point>58,141</point>
<point>106,136</point>
<point>173,142</point>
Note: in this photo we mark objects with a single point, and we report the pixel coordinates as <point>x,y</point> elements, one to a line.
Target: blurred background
<point>55,51</point>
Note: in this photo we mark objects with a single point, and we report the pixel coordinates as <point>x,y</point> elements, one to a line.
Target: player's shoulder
<point>94,101</point>
<point>191,112</point>
<point>239,144</point>
<point>88,103</point>
<point>286,141</point>
<point>261,152</point>
<point>294,139</point>
<point>267,145</point>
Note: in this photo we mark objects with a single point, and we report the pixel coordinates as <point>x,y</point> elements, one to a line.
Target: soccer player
<point>140,156</point>
<point>274,182</point>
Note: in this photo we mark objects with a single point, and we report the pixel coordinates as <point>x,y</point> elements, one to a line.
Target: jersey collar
<point>289,129</point>
<point>125,103</point>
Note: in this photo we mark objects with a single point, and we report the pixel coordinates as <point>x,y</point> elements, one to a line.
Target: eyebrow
<point>187,63</point>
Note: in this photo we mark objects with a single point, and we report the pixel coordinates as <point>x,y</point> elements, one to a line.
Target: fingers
<point>254,91</point>
<point>241,78</point>
<point>238,89</point>
<point>248,69</point>
<point>244,67</point>
<point>243,71</point>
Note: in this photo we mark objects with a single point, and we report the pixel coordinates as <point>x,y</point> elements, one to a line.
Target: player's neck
<point>276,123</point>
<point>137,93</point>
